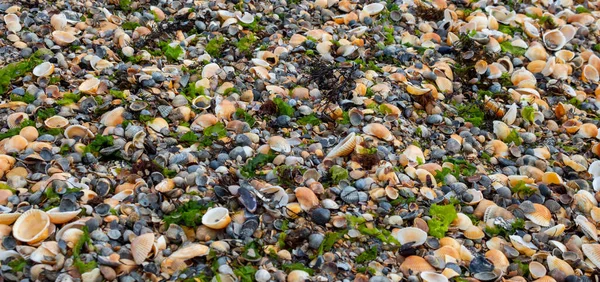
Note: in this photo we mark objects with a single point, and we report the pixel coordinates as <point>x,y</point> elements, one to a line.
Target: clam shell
<point>412,235</point>
<point>378,130</point>
<point>44,69</point>
<point>592,252</point>
<point>32,226</point>
<point>216,218</point>
<point>414,265</point>
<point>63,38</point>
<point>56,122</point>
<point>279,144</point>
<point>78,131</point>
<point>537,269</point>
<point>473,233</point>
<point>14,120</point>
<point>554,40</point>
<point>344,147</point>
<point>462,221</point>
<point>588,228</point>
<point>58,21</point>
<point>12,22</point>
<point>522,246</point>
<point>189,251</point>
<point>556,263</point>
<point>90,86</point>
<point>541,216</point>
<point>8,218</point>
<point>429,276</point>
<point>306,198</point>
<point>141,247</point>
<point>498,259</point>
<point>58,217</point>
<point>373,8</point>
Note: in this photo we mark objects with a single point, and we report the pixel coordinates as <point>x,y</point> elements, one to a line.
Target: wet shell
<point>345,147</point>
<point>412,235</point>
<point>541,216</point>
<point>279,144</point>
<point>414,264</point>
<point>58,217</point>
<point>56,122</point>
<point>306,198</point>
<point>141,247</point>
<point>216,218</point>
<point>556,263</point>
<point>592,252</point>
<point>378,130</point>
<point>44,69</point>
<point>32,227</point>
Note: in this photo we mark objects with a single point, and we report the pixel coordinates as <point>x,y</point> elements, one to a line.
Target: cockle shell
<point>412,235</point>
<point>58,217</point>
<point>141,246</point>
<point>344,147</point>
<point>32,227</point>
<point>44,69</point>
<point>378,130</point>
<point>216,218</point>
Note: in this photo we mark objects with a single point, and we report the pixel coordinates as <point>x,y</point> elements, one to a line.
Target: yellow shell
<point>32,227</point>
<point>216,218</point>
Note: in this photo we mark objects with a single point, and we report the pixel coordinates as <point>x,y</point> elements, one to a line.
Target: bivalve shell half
<point>78,131</point>
<point>32,227</point>
<point>588,228</point>
<point>216,218</point>
<point>592,252</point>
<point>556,263</point>
<point>90,86</point>
<point>554,40</point>
<point>378,130</point>
<point>279,144</point>
<point>429,276</point>
<point>541,216</point>
<point>141,246</point>
<point>306,198</point>
<point>414,265</point>
<point>345,147</point>
<point>44,69</point>
<point>537,269</point>
<point>8,218</point>
<point>412,235</point>
<point>58,217</point>
<point>56,122</point>
<point>63,38</point>
<point>373,8</point>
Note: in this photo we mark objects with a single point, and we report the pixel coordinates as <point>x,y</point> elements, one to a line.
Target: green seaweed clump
<point>338,173</point>
<point>528,113</point>
<point>283,108</point>
<point>15,70</point>
<point>98,144</point>
<point>249,170</point>
<point>471,113</point>
<point>514,138</point>
<point>297,266</point>
<point>441,217</point>
<point>507,47</point>
<point>521,188</point>
<point>189,214</point>
<point>213,47</point>
<point>311,119</point>
<point>82,266</point>
<point>368,255</point>
<point>245,273</point>
<point>17,265</point>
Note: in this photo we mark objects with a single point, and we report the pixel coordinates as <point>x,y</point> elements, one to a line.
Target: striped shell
<point>345,147</point>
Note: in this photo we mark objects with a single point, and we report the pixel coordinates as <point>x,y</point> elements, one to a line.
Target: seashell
<point>306,198</point>
<point>344,147</point>
<point>378,130</point>
<point>541,216</point>
<point>373,9</point>
<point>413,265</point>
<point>56,122</point>
<point>32,227</point>
<point>58,21</point>
<point>587,130</point>
<point>158,124</point>
<point>14,120</point>
<point>556,263</point>
<point>572,125</point>
<point>531,30</point>
<point>416,90</point>
<point>554,40</point>
<point>536,52</point>
<point>12,22</point>
<point>556,230</point>
<point>44,69</point>
<point>429,276</point>
<point>201,102</point>
<point>90,86</point>
<point>141,246</point>
<point>63,38</point>
<point>587,227</point>
<point>501,130</point>
<point>165,185</point>
<point>15,144</point>
<point>189,252</point>
<point>594,169</point>
<point>414,154</point>
<point>279,144</point>
<point>511,115</point>
<point>523,78</point>
<point>58,217</point>
<point>298,276</point>
<point>498,259</point>
<point>411,235</point>
<point>592,252</point>
<point>462,221</point>
<point>8,218</point>
<point>537,269</point>
<point>536,66</point>
<point>78,131</point>
<point>473,233</point>
<point>216,218</point>
<point>590,74</point>
<point>522,246</point>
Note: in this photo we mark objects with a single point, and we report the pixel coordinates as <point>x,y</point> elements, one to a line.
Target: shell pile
<point>299,140</point>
